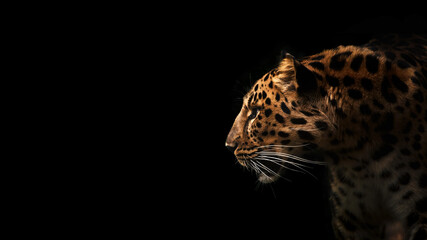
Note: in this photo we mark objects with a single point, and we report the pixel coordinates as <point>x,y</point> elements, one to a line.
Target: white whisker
<point>255,167</point>
<point>287,155</point>
<point>276,162</point>
<point>258,168</point>
<point>270,171</point>
<point>280,159</point>
<point>266,168</point>
<point>297,165</point>
<point>276,154</point>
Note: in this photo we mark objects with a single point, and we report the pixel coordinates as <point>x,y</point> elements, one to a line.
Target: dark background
<point>223,57</point>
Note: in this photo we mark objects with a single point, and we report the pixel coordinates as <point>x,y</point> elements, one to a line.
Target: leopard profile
<point>362,111</point>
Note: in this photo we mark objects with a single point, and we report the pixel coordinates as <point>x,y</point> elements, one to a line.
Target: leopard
<point>361,111</point>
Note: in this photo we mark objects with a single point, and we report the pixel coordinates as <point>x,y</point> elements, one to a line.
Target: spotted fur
<point>362,110</point>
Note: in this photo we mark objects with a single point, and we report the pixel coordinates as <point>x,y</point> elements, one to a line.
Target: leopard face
<point>281,124</point>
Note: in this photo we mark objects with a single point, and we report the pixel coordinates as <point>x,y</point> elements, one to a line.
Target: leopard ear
<point>294,76</point>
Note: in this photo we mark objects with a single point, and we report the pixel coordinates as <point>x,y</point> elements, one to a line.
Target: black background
<point>223,56</point>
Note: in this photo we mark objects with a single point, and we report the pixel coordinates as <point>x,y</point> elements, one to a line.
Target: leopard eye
<point>254,113</point>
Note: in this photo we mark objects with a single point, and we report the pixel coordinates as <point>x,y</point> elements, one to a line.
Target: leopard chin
<point>267,179</point>
<point>268,172</point>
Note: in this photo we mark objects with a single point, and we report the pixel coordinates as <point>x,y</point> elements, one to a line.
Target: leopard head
<point>281,124</point>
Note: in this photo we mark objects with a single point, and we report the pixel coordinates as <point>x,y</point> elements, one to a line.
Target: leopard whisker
<point>279,159</point>
<point>276,162</point>
<point>270,171</point>
<point>251,164</point>
<point>297,165</point>
<point>291,156</point>
<point>254,167</point>
<point>258,166</point>
<point>266,168</point>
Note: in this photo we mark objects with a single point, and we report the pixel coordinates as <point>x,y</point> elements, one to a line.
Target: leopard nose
<point>231,147</point>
